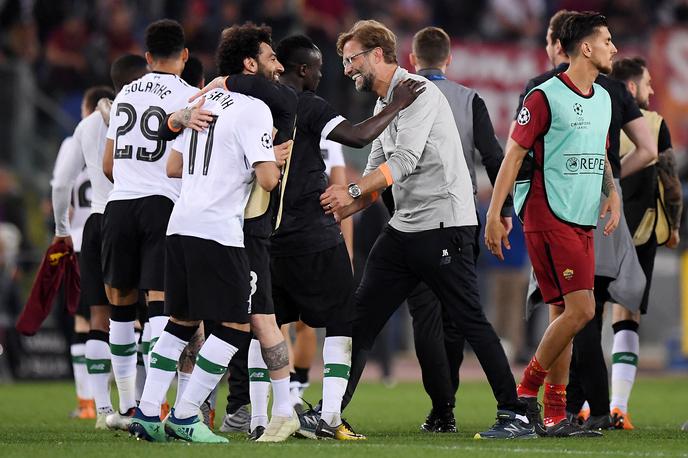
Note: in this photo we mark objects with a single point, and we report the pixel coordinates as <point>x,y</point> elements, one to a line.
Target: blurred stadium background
<point>51,50</point>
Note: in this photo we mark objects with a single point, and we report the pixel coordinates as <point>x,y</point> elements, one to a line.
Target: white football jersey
<point>218,168</point>
<point>332,154</point>
<point>90,138</point>
<point>139,157</point>
<point>81,205</point>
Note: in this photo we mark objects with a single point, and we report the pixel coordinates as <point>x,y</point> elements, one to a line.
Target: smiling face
<point>268,65</point>
<point>601,49</point>
<point>360,69</point>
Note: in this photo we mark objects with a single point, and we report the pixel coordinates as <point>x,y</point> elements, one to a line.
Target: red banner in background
<point>668,62</point>
<point>499,73</point>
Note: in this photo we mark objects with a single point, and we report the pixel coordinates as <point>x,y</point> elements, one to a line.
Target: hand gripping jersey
<point>218,168</point>
<point>140,157</point>
<point>574,152</point>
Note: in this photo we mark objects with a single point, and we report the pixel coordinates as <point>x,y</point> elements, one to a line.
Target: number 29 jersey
<point>218,168</point>
<point>140,158</point>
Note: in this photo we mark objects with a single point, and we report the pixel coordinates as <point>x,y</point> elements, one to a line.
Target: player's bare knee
<point>188,323</point>
<point>276,357</point>
<point>118,296</point>
<point>155,296</point>
<point>100,318</point>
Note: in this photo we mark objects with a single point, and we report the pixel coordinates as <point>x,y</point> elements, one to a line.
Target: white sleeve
<point>255,134</point>
<point>68,164</point>
<point>335,157</point>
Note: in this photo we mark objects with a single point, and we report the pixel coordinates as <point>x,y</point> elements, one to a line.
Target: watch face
<point>354,191</point>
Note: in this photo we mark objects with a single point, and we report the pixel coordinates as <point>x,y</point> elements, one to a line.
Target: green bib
<point>574,152</point>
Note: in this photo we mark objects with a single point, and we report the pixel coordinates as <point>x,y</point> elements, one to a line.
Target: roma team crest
<point>568,274</point>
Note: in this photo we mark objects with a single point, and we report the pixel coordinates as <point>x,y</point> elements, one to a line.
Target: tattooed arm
<point>612,204</point>
<point>673,196</point>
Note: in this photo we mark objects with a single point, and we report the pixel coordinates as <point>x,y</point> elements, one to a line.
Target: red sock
<point>533,378</point>
<point>555,404</point>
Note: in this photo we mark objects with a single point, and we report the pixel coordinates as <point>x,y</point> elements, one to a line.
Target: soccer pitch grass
<point>35,424</point>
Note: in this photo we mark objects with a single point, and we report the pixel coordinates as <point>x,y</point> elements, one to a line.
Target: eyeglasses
<point>350,60</point>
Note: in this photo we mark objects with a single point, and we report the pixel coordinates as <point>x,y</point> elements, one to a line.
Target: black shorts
<point>646,257</point>
<point>205,280</point>
<point>134,242</point>
<point>258,252</point>
<point>316,288</point>
<point>90,266</point>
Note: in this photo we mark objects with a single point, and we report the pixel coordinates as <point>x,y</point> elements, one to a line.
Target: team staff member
<point>438,342</point>
<point>431,236</point>
<point>563,126</point>
<point>653,204</point>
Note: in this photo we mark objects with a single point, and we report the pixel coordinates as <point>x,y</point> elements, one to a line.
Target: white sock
<point>211,365</point>
<point>83,387</point>
<point>337,360</point>
<point>98,366</point>
<point>145,343</point>
<point>157,325</point>
<point>281,402</point>
<point>182,380</point>
<point>163,367</point>
<point>624,367</point>
<point>259,385</point>
<point>123,354</point>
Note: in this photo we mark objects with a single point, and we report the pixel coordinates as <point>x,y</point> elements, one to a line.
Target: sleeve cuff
<point>169,125</point>
<point>331,124</point>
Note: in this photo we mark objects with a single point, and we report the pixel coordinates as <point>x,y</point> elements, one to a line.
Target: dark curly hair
<point>239,42</point>
<point>164,38</point>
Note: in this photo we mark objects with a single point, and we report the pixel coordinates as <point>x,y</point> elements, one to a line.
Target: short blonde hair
<point>371,34</point>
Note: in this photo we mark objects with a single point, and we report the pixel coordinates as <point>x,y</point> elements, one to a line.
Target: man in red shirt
<point>561,251</point>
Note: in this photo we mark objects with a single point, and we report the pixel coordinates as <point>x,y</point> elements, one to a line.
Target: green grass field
<point>35,424</point>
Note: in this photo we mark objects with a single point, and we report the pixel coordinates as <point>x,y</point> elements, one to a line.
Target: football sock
<point>259,385</point>
<point>533,378</point>
<point>211,365</point>
<point>281,403</point>
<point>145,344</point>
<point>98,366</point>
<point>300,374</point>
<point>624,362</point>
<point>157,320</point>
<point>78,352</point>
<point>182,380</point>
<point>337,360</point>
<point>163,366</point>
<point>555,404</point>
<point>123,354</point>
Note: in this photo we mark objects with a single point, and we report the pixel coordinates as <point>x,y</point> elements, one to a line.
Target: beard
<point>269,75</point>
<point>364,83</point>
<point>644,104</point>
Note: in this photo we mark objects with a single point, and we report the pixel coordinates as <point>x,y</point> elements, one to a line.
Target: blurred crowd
<point>68,45</point>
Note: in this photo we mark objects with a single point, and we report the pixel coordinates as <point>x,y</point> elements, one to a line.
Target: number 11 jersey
<point>140,158</point>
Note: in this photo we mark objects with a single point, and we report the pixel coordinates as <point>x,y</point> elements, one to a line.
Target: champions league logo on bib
<point>523,116</point>
<point>578,109</point>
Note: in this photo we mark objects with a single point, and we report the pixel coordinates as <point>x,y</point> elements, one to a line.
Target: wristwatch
<point>354,191</point>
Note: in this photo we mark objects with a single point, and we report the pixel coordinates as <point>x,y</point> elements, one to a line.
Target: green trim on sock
<point>81,359</point>
<point>258,374</point>
<point>337,370</point>
<point>98,366</point>
<point>152,344</point>
<point>625,358</point>
<point>145,347</point>
<point>163,363</point>
<point>123,350</point>
<point>210,366</point>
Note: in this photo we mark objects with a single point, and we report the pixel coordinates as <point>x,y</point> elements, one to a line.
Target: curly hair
<point>239,42</point>
<point>164,38</point>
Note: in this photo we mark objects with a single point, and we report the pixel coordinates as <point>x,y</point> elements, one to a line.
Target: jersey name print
<point>140,157</point>
<point>217,171</point>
